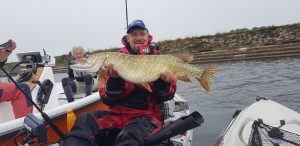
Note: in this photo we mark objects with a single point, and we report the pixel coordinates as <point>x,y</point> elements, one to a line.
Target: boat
<point>48,123</point>
<point>263,123</point>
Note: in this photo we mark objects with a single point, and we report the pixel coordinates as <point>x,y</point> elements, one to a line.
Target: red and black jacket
<point>2,64</point>
<point>121,92</point>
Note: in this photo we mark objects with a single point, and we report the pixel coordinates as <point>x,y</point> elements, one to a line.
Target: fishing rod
<point>43,114</point>
<point>126,14</point>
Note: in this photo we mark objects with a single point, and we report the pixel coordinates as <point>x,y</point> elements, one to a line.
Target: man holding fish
<point>135,110</point>
<point>134,83</point>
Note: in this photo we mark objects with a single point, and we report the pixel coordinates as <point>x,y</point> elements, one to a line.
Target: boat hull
<point>9,132</point>
<point>58,116</point>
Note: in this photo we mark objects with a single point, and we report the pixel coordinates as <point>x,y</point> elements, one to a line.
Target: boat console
<point>35,57</point>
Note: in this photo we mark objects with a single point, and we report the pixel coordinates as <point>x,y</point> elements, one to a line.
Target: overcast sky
<point>57,25</point>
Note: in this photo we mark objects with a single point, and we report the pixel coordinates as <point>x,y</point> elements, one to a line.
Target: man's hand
<point>168,77</point>
<point>111,72</point>
<point>13,46</point>
<point>4,52</point>
<point>10,49</point>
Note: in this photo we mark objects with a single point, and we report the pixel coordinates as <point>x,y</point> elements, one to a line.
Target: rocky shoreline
<point>236,45</point>
<point>289,50</point>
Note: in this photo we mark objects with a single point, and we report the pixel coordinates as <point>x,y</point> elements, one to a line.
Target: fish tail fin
<point>207,74</point>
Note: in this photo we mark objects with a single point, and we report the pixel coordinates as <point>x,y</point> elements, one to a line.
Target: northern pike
<point>141,69</point>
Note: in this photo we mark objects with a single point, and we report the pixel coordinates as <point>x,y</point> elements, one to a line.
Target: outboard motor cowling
<point>177,127</point>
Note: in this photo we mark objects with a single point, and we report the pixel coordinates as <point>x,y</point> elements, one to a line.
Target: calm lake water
<point>236,86</point>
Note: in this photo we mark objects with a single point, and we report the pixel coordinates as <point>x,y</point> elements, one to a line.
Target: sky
<point>58,25</point>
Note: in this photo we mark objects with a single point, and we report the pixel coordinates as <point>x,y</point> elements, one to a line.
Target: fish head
<point>91,63</point>
<point>81,65</point>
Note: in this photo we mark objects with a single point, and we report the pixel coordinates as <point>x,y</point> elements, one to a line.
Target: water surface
<point>238,85</point>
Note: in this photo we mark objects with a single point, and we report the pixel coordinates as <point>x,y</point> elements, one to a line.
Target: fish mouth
<point>81,67</point>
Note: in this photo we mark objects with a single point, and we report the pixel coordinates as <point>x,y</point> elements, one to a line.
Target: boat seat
<point>245,133</point>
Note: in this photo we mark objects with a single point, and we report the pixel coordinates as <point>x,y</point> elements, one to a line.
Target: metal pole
<point>126,14</point>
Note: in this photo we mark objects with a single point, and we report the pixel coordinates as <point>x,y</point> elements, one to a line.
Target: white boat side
<point>238,131</point>
<point>15,125</point>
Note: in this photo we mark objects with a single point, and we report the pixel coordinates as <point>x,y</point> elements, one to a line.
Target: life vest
<point>139,96</point>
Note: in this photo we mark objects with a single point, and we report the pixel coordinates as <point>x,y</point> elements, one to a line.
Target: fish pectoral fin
<point>185,78</point>
<point>101,80</point>
<point>146,86</point>
<point>101,77</point>
<point>207,74</point>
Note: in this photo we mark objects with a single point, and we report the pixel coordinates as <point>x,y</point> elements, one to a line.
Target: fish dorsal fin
<point>185,78</point>
<point>185,57</point>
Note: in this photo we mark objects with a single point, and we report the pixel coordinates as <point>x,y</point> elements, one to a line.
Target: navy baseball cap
<point>136,24</point>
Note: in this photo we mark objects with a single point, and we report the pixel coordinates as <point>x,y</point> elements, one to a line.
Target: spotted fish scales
<point>141,69</point>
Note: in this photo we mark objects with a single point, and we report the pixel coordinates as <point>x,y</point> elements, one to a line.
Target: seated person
<point>78,82</point>
<point>9,92</point>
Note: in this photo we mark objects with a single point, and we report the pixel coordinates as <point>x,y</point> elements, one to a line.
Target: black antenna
<point>45,55</point>
<point>126,14</point>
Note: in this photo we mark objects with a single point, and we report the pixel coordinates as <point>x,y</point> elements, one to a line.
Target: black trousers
<point>86,132</point>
